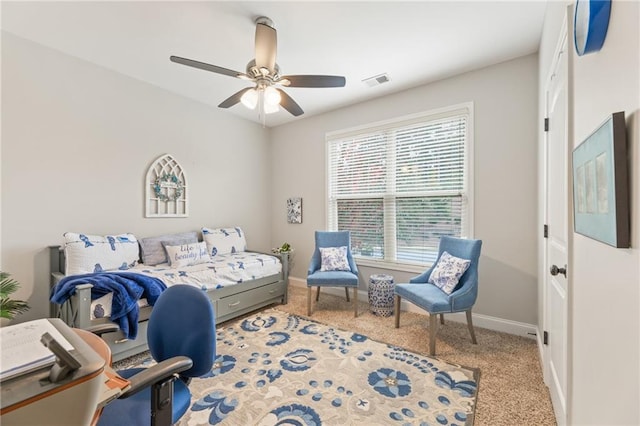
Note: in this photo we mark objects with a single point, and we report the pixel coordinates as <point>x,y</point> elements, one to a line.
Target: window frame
<point>467,109</point>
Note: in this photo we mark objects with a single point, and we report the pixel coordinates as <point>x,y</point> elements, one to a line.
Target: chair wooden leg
<point>397,309</point>
<point>355,301</point>
<point>442,319</point>
<point>433,331</point>
<point>470,325</point>
<point>346,291</point>
<point>309,300</point>
<point>318,294</point>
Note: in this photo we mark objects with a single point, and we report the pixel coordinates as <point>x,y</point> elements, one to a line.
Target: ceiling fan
<point>265,73</point>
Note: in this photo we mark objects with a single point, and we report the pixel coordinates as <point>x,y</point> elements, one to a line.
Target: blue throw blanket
<point>127,288</point>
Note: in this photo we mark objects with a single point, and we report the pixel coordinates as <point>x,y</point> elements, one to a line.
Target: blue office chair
<point>182,339</point>
<point>434,300</point>
<point>346,277</point>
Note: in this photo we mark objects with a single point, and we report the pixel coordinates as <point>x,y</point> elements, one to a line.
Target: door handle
<point>555,270</point>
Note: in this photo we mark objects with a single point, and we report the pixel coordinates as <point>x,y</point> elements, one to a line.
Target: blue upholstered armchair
<point>342,273</point>
<point>182,339</point>
<point>436,301</point>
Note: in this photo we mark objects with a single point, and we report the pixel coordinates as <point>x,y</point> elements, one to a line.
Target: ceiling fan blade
<point>234,99</point>
<point>266,47</point>
<point>289,104</point>
<point>312,81</point>
<point>209,67</point>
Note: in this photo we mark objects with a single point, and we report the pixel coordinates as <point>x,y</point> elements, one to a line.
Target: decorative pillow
<point>448,271</point>
<point>187,254</point>
<point>334,259</point>
<point>85,254</point>
<point>224,240</point>
<point>152,248</point>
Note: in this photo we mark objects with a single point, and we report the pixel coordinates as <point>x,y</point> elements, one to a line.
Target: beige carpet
<point>511,388</point>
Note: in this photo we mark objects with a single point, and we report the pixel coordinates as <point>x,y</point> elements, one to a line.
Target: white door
<point>555,292</point>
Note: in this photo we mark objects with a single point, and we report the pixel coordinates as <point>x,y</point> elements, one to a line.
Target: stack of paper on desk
<point>21,349</point>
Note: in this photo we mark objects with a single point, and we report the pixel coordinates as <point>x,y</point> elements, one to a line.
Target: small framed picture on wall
<point>294,210</point>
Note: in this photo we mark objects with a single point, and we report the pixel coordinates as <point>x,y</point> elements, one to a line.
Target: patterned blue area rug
<point>279,369</point>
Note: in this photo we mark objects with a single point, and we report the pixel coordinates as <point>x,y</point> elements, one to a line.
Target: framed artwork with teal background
<point>600,184</point>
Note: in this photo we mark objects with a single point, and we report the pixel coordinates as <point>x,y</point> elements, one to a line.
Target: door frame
<point>562,39</point>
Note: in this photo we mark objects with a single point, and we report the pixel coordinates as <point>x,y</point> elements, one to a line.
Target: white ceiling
<point>414,42</point>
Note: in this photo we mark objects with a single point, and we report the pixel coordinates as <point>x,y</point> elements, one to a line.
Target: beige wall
<point>604,300</point>
<point>606,280</point>
<point>77,140</point>
<point>505,174</point>
<point>56,156</point>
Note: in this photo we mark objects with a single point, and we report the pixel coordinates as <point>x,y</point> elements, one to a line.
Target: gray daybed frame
<point>228,303</point>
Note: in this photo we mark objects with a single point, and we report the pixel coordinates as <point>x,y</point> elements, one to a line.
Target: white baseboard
<point>479,320</point>
<point>541,353</point>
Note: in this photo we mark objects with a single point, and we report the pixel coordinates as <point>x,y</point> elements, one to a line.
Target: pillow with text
<point>187,254</point>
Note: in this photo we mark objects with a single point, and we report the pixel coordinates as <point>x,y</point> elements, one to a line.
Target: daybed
<point>236,280</point>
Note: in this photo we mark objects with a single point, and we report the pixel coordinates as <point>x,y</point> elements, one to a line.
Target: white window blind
<point>399,186</point>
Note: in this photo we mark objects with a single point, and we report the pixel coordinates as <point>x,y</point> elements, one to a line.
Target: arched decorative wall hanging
<point>166,189</point>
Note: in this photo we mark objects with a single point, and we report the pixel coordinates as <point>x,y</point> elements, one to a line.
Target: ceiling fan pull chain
<point>261,113</point>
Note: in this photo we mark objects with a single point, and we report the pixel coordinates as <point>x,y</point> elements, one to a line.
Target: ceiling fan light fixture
<point>264,72</point>
<point>270,109</point>
<point>250,98</point>
<point>271,96</point>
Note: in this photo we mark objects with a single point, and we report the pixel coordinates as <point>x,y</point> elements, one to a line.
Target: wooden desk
<point>32,399</point>
<point>101,347</point>
<point>96,343</point>
<point>114,384</point>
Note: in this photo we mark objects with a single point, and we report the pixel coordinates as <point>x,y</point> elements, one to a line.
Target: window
<point>400,185</point>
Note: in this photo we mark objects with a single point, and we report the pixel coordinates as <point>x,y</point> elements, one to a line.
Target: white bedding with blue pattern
<point>224,270</point>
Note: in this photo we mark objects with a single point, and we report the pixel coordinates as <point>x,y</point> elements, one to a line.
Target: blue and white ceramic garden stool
<point>381,294</point>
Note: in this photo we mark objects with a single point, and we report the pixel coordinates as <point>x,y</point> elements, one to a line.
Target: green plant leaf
<point>9,308</point>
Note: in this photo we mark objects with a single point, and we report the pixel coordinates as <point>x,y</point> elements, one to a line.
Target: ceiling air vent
<point>376,80</point>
